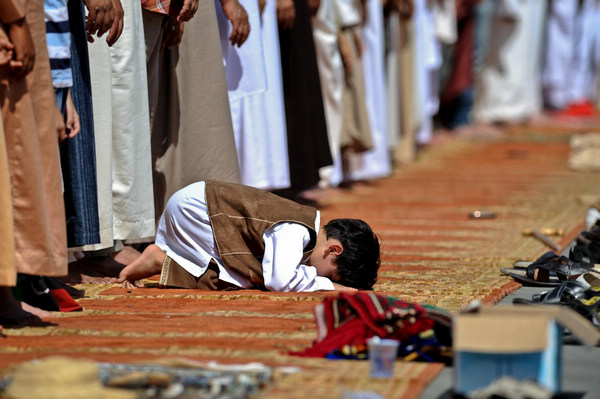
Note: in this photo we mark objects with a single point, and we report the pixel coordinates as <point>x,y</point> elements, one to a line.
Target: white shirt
<point>282,263</point>
<point>185,235</point>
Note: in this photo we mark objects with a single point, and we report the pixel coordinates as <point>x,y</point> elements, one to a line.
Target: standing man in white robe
<point>586,57</point>
<point>122,129</point>
<point>256,99</point>
<point>509,87</point>
<point>192,135</point>
<point>559,52</point>
<point>375,163</point>
<point>331,71</point>
<point>339,46</point>
<point>428,59</point>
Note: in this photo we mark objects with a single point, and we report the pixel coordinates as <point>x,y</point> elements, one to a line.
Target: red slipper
<point>64,300</point>
<point>583,108</point>
<point>66,303</point>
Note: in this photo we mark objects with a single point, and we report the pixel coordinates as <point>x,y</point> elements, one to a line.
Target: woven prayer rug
<point>433,253</point>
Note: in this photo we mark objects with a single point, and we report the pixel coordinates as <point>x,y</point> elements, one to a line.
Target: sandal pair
<point>549,270</point>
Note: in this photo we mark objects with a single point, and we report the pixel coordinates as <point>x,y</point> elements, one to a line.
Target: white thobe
<point>559,52</point>
<point>392,27</point>
<point>122,132</point>
<point>244,65</point>
<point>375,163</point>
<point>257,112</point>
<point>509,87</point>
<point>331,73</point>
<point>586,55</point>
<point>428,60</point>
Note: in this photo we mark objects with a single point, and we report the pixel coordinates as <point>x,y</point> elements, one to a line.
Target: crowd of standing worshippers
<point>110,106</point>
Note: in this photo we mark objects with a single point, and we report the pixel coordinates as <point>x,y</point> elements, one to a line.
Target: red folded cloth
<point>351,319</point>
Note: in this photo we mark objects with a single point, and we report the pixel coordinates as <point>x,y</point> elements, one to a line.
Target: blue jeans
<point>61,99</point>
<point>78,155</point>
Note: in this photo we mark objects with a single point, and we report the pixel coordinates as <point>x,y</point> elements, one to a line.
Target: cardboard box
<point>523,342</point>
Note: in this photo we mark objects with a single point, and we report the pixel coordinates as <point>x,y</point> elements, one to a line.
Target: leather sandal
<point>524,264</point>
<point>575,295</point>
<point>588,255</point>
<point>547,274</point>
<point>567,291</point>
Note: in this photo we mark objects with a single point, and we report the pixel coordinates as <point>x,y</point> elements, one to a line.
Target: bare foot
<point>441,137</point>
<point>93,270</point>
<point>147,265</point>
<point>41,313</point>
<point>14,313</point>
<point>127,255</point>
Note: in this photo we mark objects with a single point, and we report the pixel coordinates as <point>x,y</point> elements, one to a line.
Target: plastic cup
<point>382,356</point>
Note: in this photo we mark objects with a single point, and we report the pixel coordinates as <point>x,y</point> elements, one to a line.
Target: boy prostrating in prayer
<point>216,235</point>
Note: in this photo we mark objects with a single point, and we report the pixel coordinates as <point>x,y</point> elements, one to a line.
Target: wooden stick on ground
<point>543,238</point>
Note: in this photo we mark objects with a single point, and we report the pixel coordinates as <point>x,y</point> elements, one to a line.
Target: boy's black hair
<point>359,261</point>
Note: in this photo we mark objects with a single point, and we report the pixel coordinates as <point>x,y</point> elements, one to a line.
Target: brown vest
<point>240,215</point>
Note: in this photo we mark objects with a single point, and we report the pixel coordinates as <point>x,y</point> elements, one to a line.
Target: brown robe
<point>8,270</point>
<point>9,12</point>
<point>29,113</point>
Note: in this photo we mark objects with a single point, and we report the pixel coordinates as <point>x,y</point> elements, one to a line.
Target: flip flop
<point>547,274</point>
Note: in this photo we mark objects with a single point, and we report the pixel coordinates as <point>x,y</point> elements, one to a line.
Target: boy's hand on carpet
<point>343,288</point>
<point>132,284</point>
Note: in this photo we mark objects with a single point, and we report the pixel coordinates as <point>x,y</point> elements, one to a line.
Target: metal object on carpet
<point>482,215</point>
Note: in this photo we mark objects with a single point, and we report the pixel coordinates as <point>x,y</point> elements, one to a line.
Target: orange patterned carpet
<point>433,253</point>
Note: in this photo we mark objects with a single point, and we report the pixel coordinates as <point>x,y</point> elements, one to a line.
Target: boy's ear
<point>336,248</point>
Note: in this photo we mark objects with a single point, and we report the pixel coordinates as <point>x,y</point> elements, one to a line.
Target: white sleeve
<point>282,268</point>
